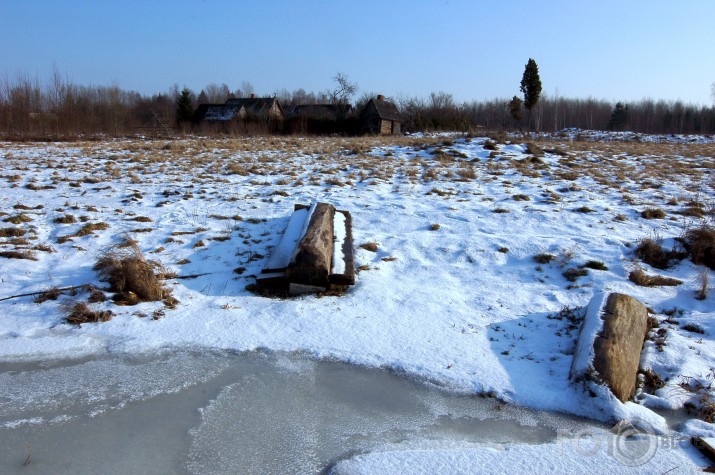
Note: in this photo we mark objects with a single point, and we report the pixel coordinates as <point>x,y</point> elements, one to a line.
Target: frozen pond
<point>216,412</point>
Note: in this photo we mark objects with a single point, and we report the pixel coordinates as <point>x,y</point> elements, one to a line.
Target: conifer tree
<point>515,108</point>
<point>619,117</point>
<point>531,86</point>
<point>184,107</point>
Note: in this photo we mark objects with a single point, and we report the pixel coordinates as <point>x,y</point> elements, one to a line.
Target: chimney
<point>380,97</point>
<point>253,96</point>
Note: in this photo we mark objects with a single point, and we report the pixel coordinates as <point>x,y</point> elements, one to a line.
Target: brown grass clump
<point>651,252</point>
<point>91,228</point>
<point>65,219</point>
<point>639,277</point>
<point>50,294</point>
<point>369,246</point>
<point>11,232</point>
<point>653,213</point>
<point>130,275</point>
<point>534,149</point>
<point>80,313</point>
<point>701,245</point>
<point>18,255</point>
<point>18,219</point>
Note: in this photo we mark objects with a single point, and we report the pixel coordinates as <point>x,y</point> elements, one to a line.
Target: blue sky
<point>614,50</point>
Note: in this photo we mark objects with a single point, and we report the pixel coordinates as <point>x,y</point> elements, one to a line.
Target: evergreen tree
<point>184,107</point>
<point>515,108</point>
<point>531,86</point>
<point>619,117</point>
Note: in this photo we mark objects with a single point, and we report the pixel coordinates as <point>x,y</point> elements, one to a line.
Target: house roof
<point>217,112</point>
<point>385,110</point>
<point>319,111</point>
<point>255,105</point>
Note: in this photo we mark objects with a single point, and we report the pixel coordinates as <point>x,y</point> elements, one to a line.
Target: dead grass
<point>132,277</point>
<point>639,277</point>
<point>700,243</point>
<point>80,313</point>
<point>651,252</point>
<point>702,292</point>
<point>369,246</point>
<point>28,255</point>
<point>11,232</point>
<point>653,213</point>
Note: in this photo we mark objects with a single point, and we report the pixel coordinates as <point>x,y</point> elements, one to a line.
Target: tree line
<point>57,108</point>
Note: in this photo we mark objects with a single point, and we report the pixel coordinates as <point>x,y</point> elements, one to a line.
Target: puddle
<point>213,412</point>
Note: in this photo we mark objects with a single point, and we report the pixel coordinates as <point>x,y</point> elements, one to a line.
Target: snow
<point>559,458</point>
<point>464,307</point>
<point>282,254</point>
<point>340,234</point>
<point>592,326</point>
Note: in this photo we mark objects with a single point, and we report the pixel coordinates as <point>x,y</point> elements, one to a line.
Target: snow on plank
<point>283,253</point>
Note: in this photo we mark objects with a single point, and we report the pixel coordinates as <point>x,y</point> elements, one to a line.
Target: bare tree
<point>344,89</point>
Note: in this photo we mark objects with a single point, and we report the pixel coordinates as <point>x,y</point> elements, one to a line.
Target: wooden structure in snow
<point>314,253</point>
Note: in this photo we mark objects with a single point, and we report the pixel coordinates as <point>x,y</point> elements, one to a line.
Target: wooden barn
<point>381,117</point>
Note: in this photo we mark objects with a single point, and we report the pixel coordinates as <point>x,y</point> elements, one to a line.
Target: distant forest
<point>57,108</point>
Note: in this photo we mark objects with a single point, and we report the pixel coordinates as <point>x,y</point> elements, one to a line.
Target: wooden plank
<point>273,281</point>
<point>704,447</point>
<point>283,253</point>
<point>312,261</point>
<point>343,266</point>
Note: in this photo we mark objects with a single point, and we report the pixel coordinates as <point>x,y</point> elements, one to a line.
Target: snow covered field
<point>453,295</point>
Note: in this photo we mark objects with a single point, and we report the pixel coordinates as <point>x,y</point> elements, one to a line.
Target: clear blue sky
<point>614,50</point>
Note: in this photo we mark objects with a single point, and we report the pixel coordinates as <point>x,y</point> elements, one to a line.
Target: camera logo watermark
<point>632,442</point>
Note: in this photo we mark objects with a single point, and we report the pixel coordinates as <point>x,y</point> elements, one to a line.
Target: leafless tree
<point>344,89</point>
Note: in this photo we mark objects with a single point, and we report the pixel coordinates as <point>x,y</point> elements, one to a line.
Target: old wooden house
<point>247,114</point>
<point>381,117</point>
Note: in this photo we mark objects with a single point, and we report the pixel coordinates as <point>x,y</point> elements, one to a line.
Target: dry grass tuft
<point>651,252</point>
<point>65,219</point>
<point>639,277</point>
<point>18,255</point>
<point>702,292</point>
<point>369,246</point>
<point>653,213</point>
<point>11,232</point>
<point>80,313</point>
<point>50,294</point>
<point>130,275</point>
<point>701,245</point>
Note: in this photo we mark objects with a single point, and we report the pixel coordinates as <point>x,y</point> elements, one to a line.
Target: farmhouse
<point>266,108</point>
<point>381,117</point>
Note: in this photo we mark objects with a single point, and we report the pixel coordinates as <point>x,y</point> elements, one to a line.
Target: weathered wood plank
<point>312,261</point>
